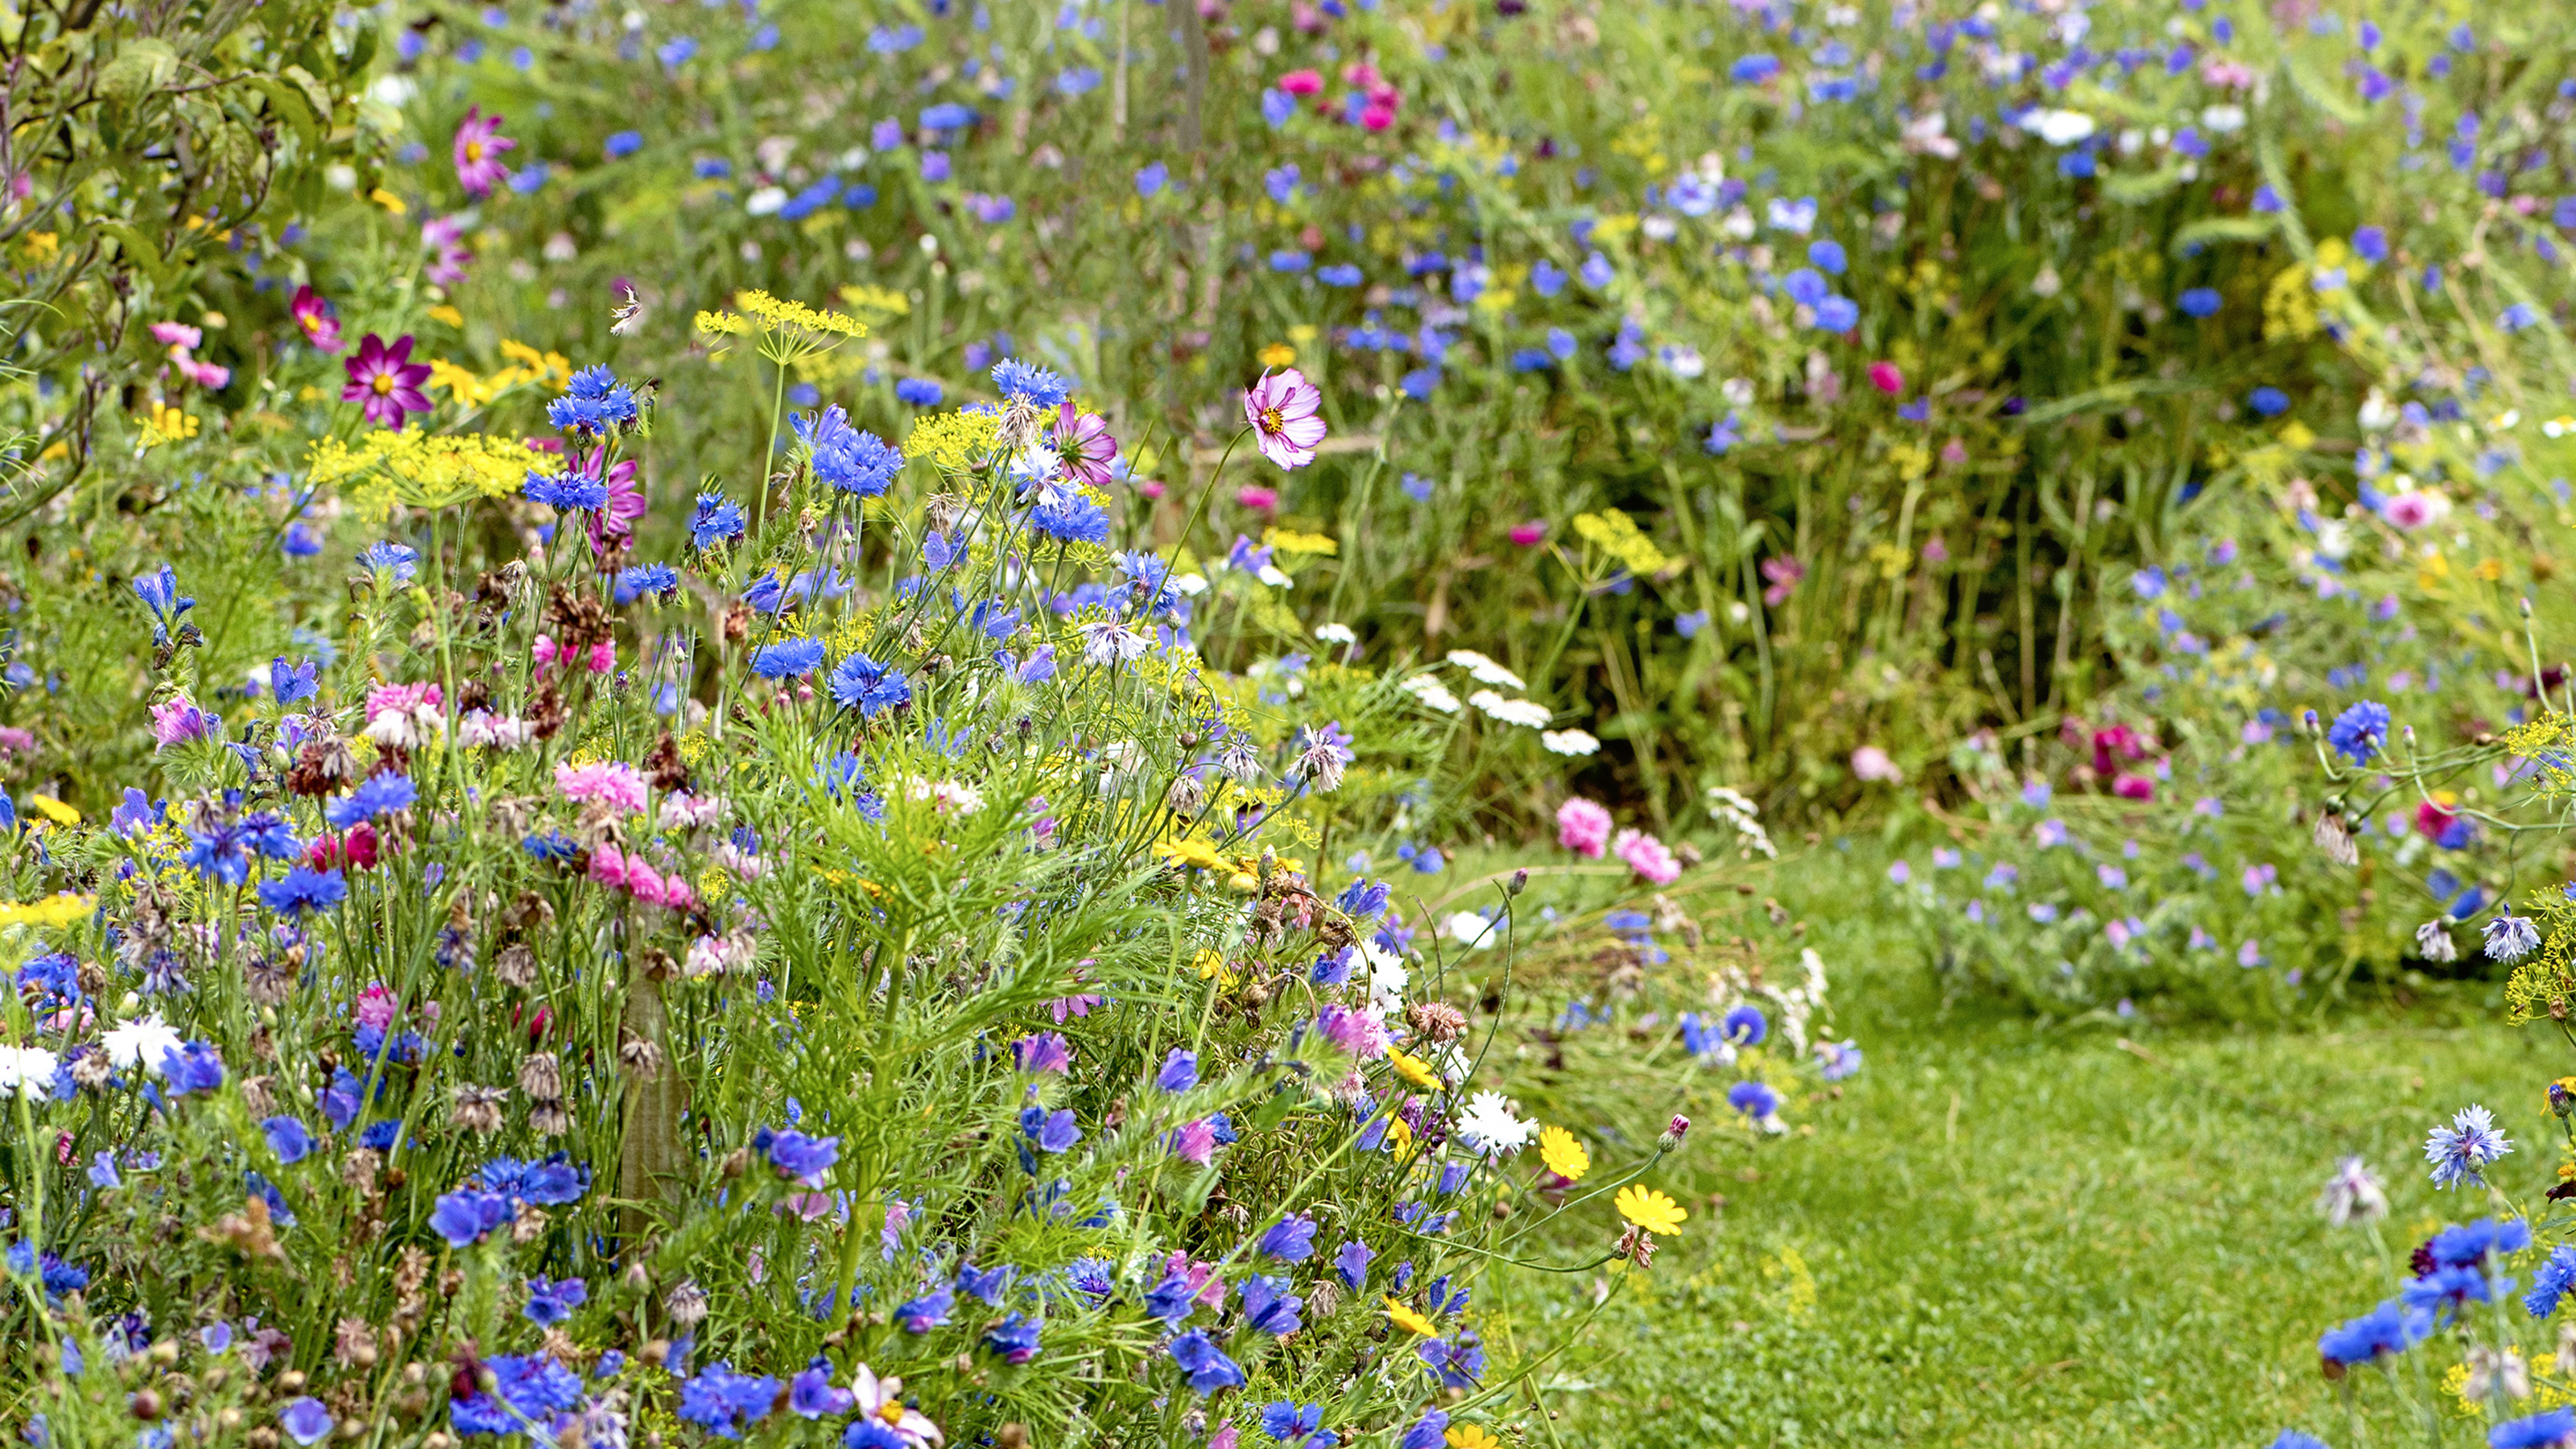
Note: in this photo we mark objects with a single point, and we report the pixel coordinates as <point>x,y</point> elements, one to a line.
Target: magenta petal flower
<point>386,381</point>
<point>479,144</point>
<point>1083,442</point>
<point>1281,408</point>
<point>313,315</point>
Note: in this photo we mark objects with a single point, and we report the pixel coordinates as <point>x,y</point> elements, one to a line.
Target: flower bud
<point>1519,883</point>
<point>1674,1131</point>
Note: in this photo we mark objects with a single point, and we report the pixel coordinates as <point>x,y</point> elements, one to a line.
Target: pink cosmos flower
<point>1301,82</point>
<point>625,500</point>
<point>479,144</point>
<point>385,381</point>
<point>1869,762</point>
<point>1583,826</point>
<point>445,236</point>
<point>1784,573</point>
<point>1528,535</point>
<point>1647,857</point>
<point>177,334</point>
<point>1082,440</point>
<point>313,315</point>
<point>176,721</point>
<point>613,781</point>
<point>1257,498</point>
<point>1887,377</point>
<point>1282,409</point>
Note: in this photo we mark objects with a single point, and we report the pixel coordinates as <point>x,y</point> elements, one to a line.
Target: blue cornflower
<point>376,795</point>
<point>2537,1431</point>
<point>2464,1244</point>
<point>551,1301</point>
<point>1828,256</point>
<point>464,1216</point>
<point>717,519</point>
<point>1754,1099</point>
<point>1015,1338</point>
<point>301,890</point>
<point>918,392</point>
<point>1075,519</point>
<point>787,659</point>
<point>1025,382</point>
<point>1428,1432</point>
<point>2268,402</point>
<point>2511,937</point>
<point>1746,1026</point>
<point>797,1156</point>
<point>2551,1281</point>
<point>1206,1364</point>
<point>719,1400</point>
<point>622,143</point>
<point>1838,314</point>
<point>2199,302</point>
<point>845,457</point>
<point>1754,69</point>
<point>565,492</point>
<point>985,1285</point>
<point>634,583</point>
<point>2458,1151</point>
<point>859,682</point>
<point>2360,732</point>
<point>306,1420</point>
<point>1297,1425</point>
<point>2293,1439</point>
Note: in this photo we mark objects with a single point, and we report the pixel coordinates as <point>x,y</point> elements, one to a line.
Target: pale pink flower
<point>1194,1142</point>
<point>177,334</point>
<point>1282,409</point>
<point>403,715</point>
<point>614,782</point>
<point>1357,1033</point>
<point>1647,857</point>
<point>481,728</point>
<point>1870,762</point>
<point>1583,826</point>
<point>207,375</point>
<point>1084,446</point>
<point>376,1006</point>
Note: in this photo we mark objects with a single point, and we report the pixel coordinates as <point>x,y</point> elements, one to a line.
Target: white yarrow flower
<point>1431,692</point>
<point>1569,742</point>
<point>1527,713</point>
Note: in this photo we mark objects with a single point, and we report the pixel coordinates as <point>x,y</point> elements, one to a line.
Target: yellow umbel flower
<point>1649,1209</point>
<point>421,469</point>
<point>166,424</point>
<point>1563,1155</point>
<point>958,442</point>
<point>1411,1322</point>
<point>53,911</point>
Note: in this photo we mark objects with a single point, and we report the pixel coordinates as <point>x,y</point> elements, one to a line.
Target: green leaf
<point>291,104</point>
<point>2135,190</point>
<point>140,68</point>
<point>139,250</point>
<point>2223,229</point>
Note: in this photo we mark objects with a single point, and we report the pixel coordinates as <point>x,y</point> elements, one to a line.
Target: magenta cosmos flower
<point>313,315</point>
<point>386,381</point>
<point>1082,440</point>
<point>1281,408</point>
<point>479,144</point>
<point>449,256</point>
<point>626,501</point>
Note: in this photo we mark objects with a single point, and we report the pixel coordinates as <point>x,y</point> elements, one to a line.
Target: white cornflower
<point>1387,978</point>
<point>1106,641</point>
<point>2352,1195</point>
<point>2433,940</point>
<point>1320,758</point>
<point>2511,937</point>
<point>1472,929</point>
<point>141,1043</point>
<point>1489,1125</point>
<point>1569,742</point>
<point>27,1071</point>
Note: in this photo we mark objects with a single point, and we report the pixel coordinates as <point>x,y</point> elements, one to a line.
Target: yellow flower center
<point>384,384</point>
<point>1272,422</point>
<point>892,1412</point>
<point>473,150</point>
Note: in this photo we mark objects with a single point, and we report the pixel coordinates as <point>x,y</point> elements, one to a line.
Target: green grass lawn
<point>2005,1234</point>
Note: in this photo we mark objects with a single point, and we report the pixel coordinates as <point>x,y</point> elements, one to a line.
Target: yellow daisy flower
<point>1411,1322</point>
<point>1649,1209</point>
<point>1563,1155</point>
<point>1413,1069</point>
<point>1472,1436</point>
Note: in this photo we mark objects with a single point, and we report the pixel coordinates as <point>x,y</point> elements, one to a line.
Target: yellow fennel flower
<point>1563,1155</point>
<point>1649,1209</point>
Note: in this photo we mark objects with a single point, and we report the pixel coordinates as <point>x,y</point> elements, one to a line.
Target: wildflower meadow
<point>1428,724</point>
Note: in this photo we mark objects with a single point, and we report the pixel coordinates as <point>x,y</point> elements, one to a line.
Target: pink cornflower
<point>1528,535</point>
<point>208,375</point>
<point>313,314</point>
<point>1647,857</point>
<point>612,781</point>
<point>1257,498</point>
<point>1282,409</point>
<point>177,334</point>
<point>1357,1033</point>
<point>547,654</point>
<point>376,1006</point>
<point>479,144</point>
<point>1583,826</point>
<point>2134,787</point>
<point>1301,82</point>
<point>404,715</point>
<point>608,865</point>
<point>1377,116</point>
<point>1784,573</point>
<point>385,381</point>
<point>1082,441</point>
<point>1887,377</point>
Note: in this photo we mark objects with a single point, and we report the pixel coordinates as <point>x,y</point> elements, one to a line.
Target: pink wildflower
<point>1583,826</point>
<point>1784,573</point>
<point>376,1006</point>
<point>1887,377</point>
<point>177,334</point>
<point>2134,787</point>
<point>1301,82</point>
<point>1357,1033</point>
<point>612,782</point>
<point>386,381</point>
<point>207,375</point>
<point>1528,535</point>
<point>625,500</point>
<point>1647,857</point>
<point>1282,409</point>
<point>1257,498</point>
<point>1082,440</point>
<point>479,144</point>
<point>1194,1142</point>
<point>445,236</point>
<point>1869,762</point>
<point>608,865</point>
<point>176,721</point>
<point>313,314</point>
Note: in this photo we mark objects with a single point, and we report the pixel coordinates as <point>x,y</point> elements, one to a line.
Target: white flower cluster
<point>1730,809</point>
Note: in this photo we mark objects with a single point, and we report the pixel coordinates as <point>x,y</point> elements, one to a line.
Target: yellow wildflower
<point>1649,1209</point>
<point>1193,852</point>
<point>958,442</point>
<point>1563,1155</point>
<point>1407,1319</point>
<point>1291,542</point>
<point>166,424</point>
<point>54,810</point>
<point>54,912</point>
<point>1472,1436</point>
<point>447,314</point>
<point>1414,1069</point>
<point>1278,354</point>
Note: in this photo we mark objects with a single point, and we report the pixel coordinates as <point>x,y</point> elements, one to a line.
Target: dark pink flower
<point>1301,82</point>
<point>1282,409</point>
<point>479,144</point>
<point>314,315</point>
<point>2134,787</point>
<point>1257,498</point>
<point>625,500</point>
<point>1082,440</point>
<point>1887,377</point>
<point>1527,535</point>
<point>386,381</point>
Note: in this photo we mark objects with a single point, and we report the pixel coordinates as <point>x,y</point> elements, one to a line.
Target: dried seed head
<point>541,1076</point>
